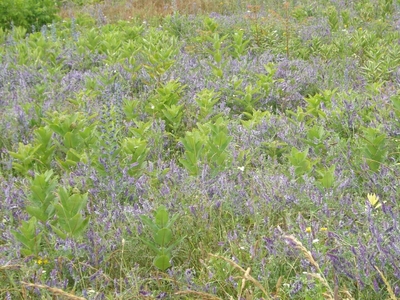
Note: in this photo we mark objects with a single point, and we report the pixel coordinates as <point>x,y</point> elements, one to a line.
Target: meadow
<point>202,150</point>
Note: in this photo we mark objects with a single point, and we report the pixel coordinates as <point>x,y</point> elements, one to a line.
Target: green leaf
<point>80,226</point>
<point>29,237</point>
<point>149,222</point>
<point>327,177</point>
<point>151,245</point>
<point>163,237</point>
<point>162,262</point>
<point>38,213</point>
<point>60,233</point>
<point>173,245</point>
<point>161,217</point>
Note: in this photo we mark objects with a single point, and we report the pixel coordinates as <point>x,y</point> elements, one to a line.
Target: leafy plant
<point>162,241</point>
<point>30,14</point>
<point>135,150</point>
<point>396,104</point>
<point>69,220</point>
<point>298,159</point>
<point>275,149</point>
<point>247,99</point>
<point>217,145</point>
<point>239,45</point>
<point>206,145</point>
<point>37,157</point>
<point>42,198</point>
<point>26,158</point>
<point>374,148</point>
<point>314,105</point>
<point>75,134</point>
<point>29,237</point>
<point>43,137</point>
<point>326,177</point>
<point>315,138</point>
<point>59,209</point>
<point>193,142</point>
<point>217,52</point>
<point>130,109</point>
<point>206,99</point>
<point>164,105</point>
<point>266,81</point>
<point>255,118</point>
<point>333,18</point>
<point>159,50</point>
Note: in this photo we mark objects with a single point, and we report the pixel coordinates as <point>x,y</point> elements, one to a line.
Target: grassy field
<point>202,150</point>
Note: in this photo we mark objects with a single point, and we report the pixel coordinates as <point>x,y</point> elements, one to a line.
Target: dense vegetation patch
<point>251,154</point>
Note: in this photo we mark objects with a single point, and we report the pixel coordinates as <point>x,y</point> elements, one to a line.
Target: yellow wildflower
<point>374,200</point>
<point>42,261</point>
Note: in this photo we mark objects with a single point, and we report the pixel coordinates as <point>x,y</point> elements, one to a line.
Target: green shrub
<point>27,13</point>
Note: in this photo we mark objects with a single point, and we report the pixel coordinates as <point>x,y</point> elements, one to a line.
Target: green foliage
<point>396,104</point>
<point>60,208</point>
<point>217,52</point>
<point>43,137</point>
<point>206,145</point>
<point>301,163</point>
<point>314,103</point>
<point>326,177</point>
<point>225,129</point>
<point>255,118</point>
<point>75,134</point>
<point>275,149</point>
<point>42,197</point>
<point>378,63</point>
<point>29,237</point>
<point>158,50</point>
<point>164,105</point>
<point>27,13</point>
<point>135,151</point>
<point>193,142</point>
<point>374,148</point>
<point>162,241</point>
<point>247,100</point>
<point>206,99</point>
<point>218,156</point>
<point>346,17</point>
<point>25,156</point>
<point>266,81</point>
<point>239,45</point>
<point>210,25</point>
<point>74,129</point>
<point>316,138</point>
<point>333,18</point>
<point>141,129</point>
<point>37,157</point>
<point>130,109</point>
<point>68,210</point>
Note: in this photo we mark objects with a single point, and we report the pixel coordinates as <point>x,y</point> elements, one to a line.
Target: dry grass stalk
<point>388,287</point>
<point>303,249</point>
<point>245,274</point>
<point>310,258</point>
<point>347,294</point>
<point>10,267</point>
<point>202,295</point>
<point>54,291</point>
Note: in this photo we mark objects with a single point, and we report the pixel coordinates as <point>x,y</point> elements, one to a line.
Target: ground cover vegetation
<point>202,150</point>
